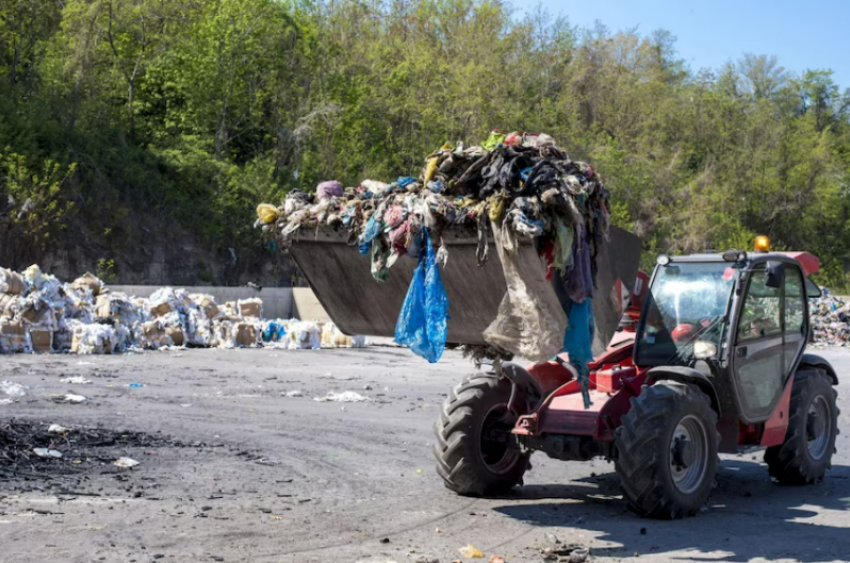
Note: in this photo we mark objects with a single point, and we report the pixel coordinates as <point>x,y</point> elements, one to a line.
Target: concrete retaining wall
<point>278,302</point>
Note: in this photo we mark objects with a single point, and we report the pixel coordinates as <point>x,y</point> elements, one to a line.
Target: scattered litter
<point>579,555</point>
<point>367,387</point>
<point>70,398</point>
<point>57,429</point>
<point>551,538</point>
<point>47,452</point>
<point>345,397</point>
<point>135,385</point>
<point>12,389</point>
<point>6,401</point>
<point>293,393</point>
<point>497,559</point>
<point>125,462</point>
<point>76,379</point>
<point>185,405</point>
<point>470,552</point>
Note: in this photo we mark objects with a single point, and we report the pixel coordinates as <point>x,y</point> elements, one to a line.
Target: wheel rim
<point>689,454</point>
<point>818,427</point>
<point>495,436</point>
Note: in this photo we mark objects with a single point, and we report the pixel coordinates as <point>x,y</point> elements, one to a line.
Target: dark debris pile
<point>33,449</point>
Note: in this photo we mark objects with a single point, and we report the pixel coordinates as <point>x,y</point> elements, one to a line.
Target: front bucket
<point>357,304</point>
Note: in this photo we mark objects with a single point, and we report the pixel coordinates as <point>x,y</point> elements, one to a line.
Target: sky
<point>812,34</point>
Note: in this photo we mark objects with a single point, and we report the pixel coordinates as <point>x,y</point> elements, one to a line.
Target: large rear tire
<point>475,450</point>
<point>667,447</point>
<point>806,453</point>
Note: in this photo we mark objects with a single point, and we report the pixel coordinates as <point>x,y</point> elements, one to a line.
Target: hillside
<point>138,135</point>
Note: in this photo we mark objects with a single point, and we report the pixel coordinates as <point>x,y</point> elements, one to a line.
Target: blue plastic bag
<point>373,229</point>
<point>421,324</point>
<point>274,332</point>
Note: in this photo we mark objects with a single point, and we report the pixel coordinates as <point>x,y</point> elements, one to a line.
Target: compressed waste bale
<point>88,282</point>
<point>95,338</point>
<point>230,309</point>
<point>35,309</point>
<point>246,334</point>
<point>79,305</point>
<point>42,340</point>
<point>62,340</point>
<point>175,334</point>
<point>12,282</point>
<point>274,330</point>
<point>9,304</point>
<point>13,337</point>
<point>305,335</point>
<point>167,300</point>
<point>252,308</point>
<point>332,337</point>
<point>205,303</point>
<point>152,335</point>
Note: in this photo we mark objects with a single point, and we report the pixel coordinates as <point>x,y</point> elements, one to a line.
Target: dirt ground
<point>230,469</point>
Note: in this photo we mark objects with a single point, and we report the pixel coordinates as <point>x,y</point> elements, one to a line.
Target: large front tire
<point>667,447</point>
<point>806,453</point>
<point>475,450</point>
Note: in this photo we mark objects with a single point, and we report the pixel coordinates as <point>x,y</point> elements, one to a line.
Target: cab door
<point>763,352</point>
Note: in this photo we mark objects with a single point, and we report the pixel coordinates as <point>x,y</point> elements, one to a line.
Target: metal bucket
<point>357,304</point>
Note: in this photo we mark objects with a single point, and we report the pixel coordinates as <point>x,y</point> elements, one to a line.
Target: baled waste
<point>510,189</point>
<point>86,317</point>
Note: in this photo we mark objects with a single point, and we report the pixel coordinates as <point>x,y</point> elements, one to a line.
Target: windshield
<point>685,303</point>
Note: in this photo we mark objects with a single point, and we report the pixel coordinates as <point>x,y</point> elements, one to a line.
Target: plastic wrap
<point>422,323</point>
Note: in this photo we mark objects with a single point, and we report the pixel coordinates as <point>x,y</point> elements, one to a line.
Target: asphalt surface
<point>240,472</point>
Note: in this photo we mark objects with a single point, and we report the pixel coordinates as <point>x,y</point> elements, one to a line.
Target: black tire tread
<point>456,450</point>
<point>788,463</point>
<point>639,447</point>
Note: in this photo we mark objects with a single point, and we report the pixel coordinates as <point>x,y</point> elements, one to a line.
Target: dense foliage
<point>199,109</point>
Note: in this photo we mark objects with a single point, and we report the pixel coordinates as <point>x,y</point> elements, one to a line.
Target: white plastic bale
<point>79,304</point>
<point>14,338</point>
<point>223,336</point>
<point>199,328</point>
<point>332,337</point>
<point>62,339</point>
<point>304,335</point>
<point>94,338</point>
<point>252,308</point>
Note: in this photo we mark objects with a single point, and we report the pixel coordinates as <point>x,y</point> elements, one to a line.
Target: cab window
<point>761,314</point>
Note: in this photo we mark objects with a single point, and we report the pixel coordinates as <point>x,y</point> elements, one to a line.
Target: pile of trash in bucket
<point>512,187</point>
<point>38,313</point>
<point>830,320</point>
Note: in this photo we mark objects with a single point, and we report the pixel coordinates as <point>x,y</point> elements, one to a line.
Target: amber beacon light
<point>762,244</point>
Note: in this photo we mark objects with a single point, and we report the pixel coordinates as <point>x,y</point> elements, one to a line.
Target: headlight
<point>703,349</point>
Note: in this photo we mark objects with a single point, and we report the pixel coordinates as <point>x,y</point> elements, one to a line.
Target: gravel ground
<point>233,470</point>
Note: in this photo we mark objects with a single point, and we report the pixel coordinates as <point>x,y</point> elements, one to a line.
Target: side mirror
<point>812,289</point>
<point>774,274</point>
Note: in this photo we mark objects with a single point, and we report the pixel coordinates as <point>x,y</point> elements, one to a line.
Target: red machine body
<point>615,379</point>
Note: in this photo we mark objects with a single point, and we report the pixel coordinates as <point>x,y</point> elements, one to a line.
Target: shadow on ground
<point>747,517</point>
